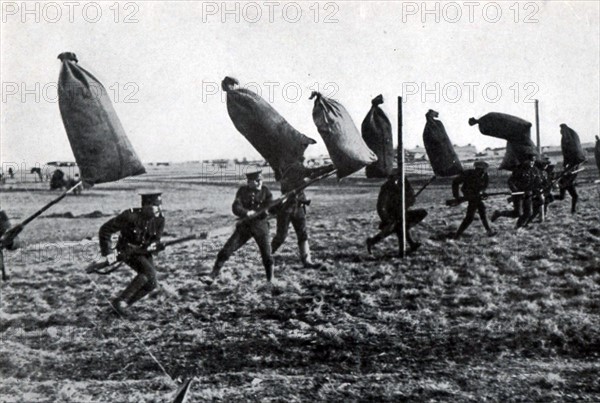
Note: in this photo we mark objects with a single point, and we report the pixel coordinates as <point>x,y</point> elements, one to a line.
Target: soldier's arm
<point>237,206</point>
<point>107,229</point>
<point>159,230</point>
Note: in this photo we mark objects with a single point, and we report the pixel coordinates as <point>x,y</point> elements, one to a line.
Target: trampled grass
<point>515,317</point>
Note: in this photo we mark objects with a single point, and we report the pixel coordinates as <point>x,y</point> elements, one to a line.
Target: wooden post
<point>539,146</point>
<point>401,179</point>
<point>537,128</point>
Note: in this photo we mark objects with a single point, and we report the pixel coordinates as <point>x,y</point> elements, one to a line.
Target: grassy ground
<point>515,317</point>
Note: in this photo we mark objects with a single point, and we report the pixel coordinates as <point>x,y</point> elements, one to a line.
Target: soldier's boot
<point>372,241</point>
<point>412,244</point>
<point>269,271</point>
<point>495,215</point>
<point>487,227</point>
<point>149,286</point>
<point>574,205</point>
<point>122,302</point>
<point>306,258</point>
<point>212,276</point>
<point>461,229</point>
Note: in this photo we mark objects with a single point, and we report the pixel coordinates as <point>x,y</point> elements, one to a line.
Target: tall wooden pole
<point>537,127</point>
<point>401,179</point>
<point>539,147</point>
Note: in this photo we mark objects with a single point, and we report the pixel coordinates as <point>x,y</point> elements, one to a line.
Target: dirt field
<point>515,317</point>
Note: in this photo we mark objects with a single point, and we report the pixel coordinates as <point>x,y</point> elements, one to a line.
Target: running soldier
<point>474,183</point>
<point>140,230</point>
<point>566,183</point>
<point>390,212</point>
<point>542,193</point>
<point>521,181</point>
<point>249,199</point>
<point>293,210</point>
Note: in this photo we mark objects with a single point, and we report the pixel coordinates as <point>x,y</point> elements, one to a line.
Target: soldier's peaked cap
<point>252,176</point>
<point>151,198</point>
<point>481,164</point>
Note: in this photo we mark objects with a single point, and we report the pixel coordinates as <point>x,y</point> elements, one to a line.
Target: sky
<point>162,64</point>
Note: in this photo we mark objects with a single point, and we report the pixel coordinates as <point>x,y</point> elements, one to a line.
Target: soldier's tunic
<point>247,199</point>
<point>474,183</point>
<point>293,210</point>
<point>137,232</point>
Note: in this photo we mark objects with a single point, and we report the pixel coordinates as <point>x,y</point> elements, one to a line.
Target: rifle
<point>278,202</point>
<point>460,200</point>
<point>425,185</point>
<point>9,236</point>
<point>566,172</point>
<point>96,267</point>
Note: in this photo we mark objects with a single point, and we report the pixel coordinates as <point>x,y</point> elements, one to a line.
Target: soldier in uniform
<point>249,199</point>
<point>390,212</point>
<point>566,183</point>
<point>9,244</point>
<point>542,193</point>
<point>140,230</point>
<point>6,242</point>
<point>522,180</point>
<point>474,183</point>
<point>294,209</point>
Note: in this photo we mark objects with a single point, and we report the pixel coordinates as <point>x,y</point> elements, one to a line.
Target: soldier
<point>542,193</point>
<point>294,209</point>
<point>522,181</point>
<point>566,183</point>
<point>249,199</point>
<point>140,232</point>
<point>7,242</point>
<point>389,209</point>
<point>13,242</point>
<point>474,183</point>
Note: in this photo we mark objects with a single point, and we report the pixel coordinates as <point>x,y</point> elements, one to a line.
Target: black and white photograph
<point>299,201</point>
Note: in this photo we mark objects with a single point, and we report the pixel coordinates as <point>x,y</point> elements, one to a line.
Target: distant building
<point>467,152</point>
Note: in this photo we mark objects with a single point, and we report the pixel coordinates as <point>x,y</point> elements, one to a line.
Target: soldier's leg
<point>470,215</point>
<point>413,217</point>
<point>525,213</point>
<point>514,213</point>
<point>139,282</point>
<point>145,267</point>
<point>260,233</point>
<point>240,236</point>
<point>386,229</point>
<point>483,217</point>
<point>574,197</point>
<point>283,223</point>
<point>299,223</point>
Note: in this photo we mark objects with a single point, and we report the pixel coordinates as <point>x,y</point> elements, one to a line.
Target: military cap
<point>151,198</point>
<point>252,176</point>
<point>481,164</point>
